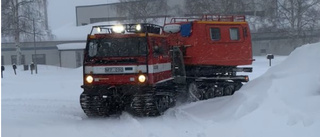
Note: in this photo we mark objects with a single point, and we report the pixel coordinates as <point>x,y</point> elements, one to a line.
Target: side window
<point>234,34</point>
<point>215,34</point>
<point>245,32</point>
<point>160,48</point>
<point>165,47</point>
<point>93,47</point>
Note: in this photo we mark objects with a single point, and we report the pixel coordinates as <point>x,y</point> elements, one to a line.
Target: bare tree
<point>293,16</point>
<point>223,7</point>
<point>199,7</point>
<point>298,15</point>
<point>19,19</point>
<point>141,10</point>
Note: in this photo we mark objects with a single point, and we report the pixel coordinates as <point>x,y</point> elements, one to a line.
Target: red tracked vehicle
<point>145,68</point>
<point>212,46</point>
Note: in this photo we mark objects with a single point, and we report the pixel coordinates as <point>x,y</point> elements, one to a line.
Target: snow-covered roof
<point>70,46</point>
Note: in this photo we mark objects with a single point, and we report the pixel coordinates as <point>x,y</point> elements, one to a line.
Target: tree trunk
<point>17,32</point>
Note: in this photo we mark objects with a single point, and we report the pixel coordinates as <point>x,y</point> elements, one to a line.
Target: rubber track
<point>146,104</point>
<point>94,106</point>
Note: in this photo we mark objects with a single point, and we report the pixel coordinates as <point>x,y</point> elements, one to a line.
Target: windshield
<point>119,47</point>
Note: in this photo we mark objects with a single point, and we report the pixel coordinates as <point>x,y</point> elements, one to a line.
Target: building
<point>57,53</point>
<point>142,9</point>
<point>121,11</point>
<point>70,53</point>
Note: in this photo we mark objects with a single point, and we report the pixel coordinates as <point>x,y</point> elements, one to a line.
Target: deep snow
<point>283,100</point>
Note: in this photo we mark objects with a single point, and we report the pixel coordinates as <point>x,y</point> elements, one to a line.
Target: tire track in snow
<point>42,108</point>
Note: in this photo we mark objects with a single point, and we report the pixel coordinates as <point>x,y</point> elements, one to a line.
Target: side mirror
<point>156,49</point>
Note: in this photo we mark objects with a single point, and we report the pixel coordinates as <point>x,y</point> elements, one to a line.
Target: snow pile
<point>291,88</point>
<point>68,46</point>
<point>283,101</point>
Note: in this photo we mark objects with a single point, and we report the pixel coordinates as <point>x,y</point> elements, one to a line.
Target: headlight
<point>138,27</point>
<point>89,79</point>
<point>142,78</point>
<point>118,28</point>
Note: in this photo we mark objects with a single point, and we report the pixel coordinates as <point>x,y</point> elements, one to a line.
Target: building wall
<point>27,50</point>
<point>94,13</point>
<point>48,48</point>
<point>262,44</point>
<point>281,43</point>
<point>68,59</point>
<point>71,58</point>
<point>108,12</point>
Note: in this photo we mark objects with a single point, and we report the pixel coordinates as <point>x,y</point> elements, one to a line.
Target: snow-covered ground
<point>279,101</point>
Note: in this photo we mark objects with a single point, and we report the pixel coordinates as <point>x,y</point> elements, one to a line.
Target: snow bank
<point>292,87</point>
<point>284,101</point>
<point>69,46</point>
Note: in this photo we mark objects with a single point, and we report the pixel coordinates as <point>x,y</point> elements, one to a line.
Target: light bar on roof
<point>138,27</point>
<point>118,28</point>
<point>98,29</point>
<point>124,28</point>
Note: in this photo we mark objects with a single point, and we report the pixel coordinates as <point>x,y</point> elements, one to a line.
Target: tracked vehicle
<point>145,68</point>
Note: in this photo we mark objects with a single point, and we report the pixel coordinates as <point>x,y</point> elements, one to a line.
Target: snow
<point>68,46</point>
<point>279,101</point>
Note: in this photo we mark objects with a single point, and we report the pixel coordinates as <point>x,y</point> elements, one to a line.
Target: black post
<point>31,67</point>
<point>34,44</point>
<point>14,68</point>
<point>270,57</point>
<point>269,62</point>
<point>2,69</point>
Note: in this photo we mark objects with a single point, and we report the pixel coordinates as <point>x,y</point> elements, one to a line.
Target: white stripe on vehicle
<point>127,69</point>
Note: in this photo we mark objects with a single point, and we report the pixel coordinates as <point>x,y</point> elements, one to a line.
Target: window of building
<point>23,60</point>
<point>215,34</point>
<point>2,60</point>
<point>39,59</point>
<point>234,34</point>
<point>14,59</point>
<point>78,58</point>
